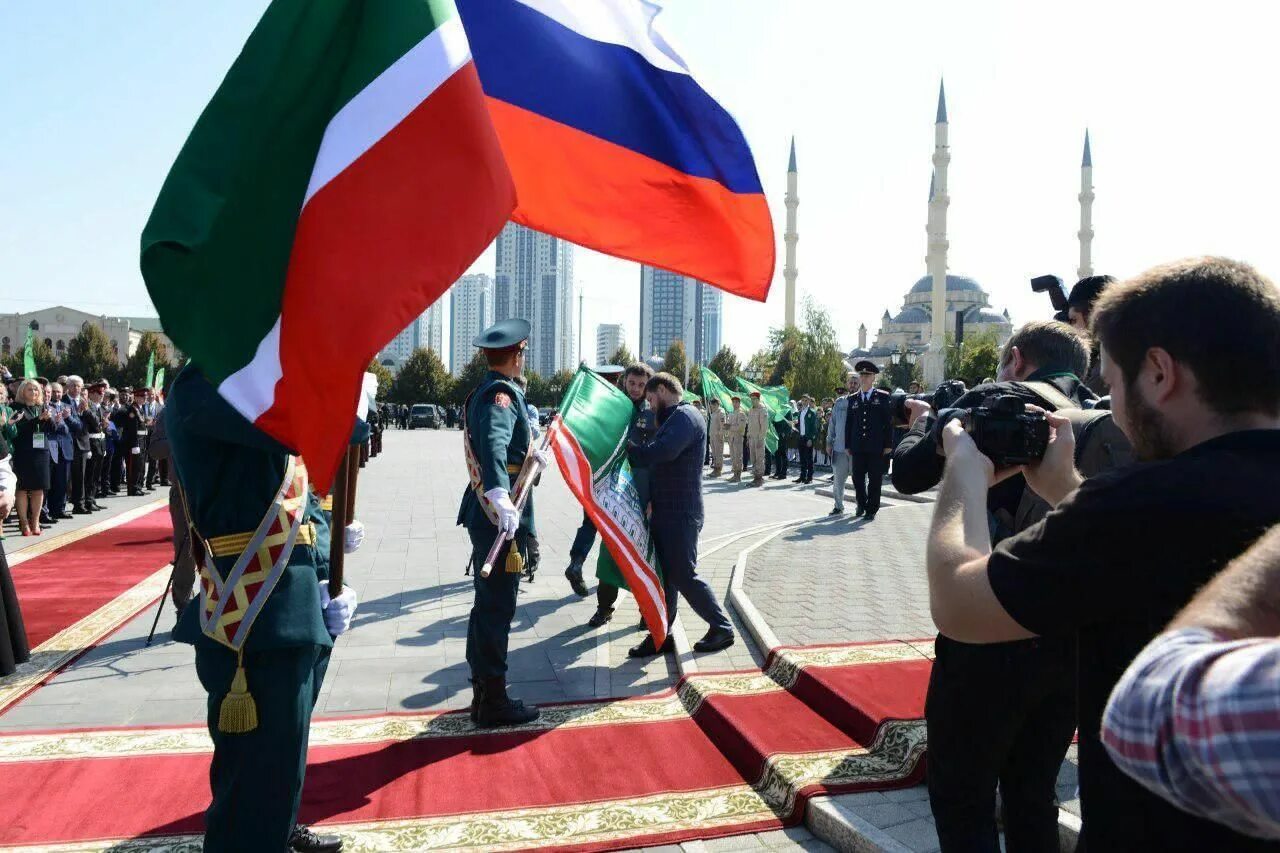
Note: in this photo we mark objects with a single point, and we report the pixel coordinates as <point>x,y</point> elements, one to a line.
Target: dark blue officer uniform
<point>868,435</point>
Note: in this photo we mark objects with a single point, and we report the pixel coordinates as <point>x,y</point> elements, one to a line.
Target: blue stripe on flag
<point>611,92</point>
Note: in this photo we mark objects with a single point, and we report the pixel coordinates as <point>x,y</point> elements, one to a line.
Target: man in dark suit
<point>78,402</point>
<point>868,435</point>
<point>807,432</point>
<point>133,437</point>
<point>65,426</point>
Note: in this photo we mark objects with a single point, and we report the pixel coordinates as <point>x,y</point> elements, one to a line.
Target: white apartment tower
<point>609,336</point>
<point>675,307</point>
<point>534,281</point>
<point>431,328</point>
<point>470,313</point>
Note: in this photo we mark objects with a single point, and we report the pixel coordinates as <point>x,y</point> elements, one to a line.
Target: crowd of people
<point>73,445</point>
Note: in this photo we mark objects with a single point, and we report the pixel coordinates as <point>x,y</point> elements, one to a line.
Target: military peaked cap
<point>865,366</point>
<point>505,333</point>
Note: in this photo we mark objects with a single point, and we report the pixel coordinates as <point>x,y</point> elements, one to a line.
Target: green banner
<point>159,386</point>
<point>29,356</point>
<point>151,370</point>
<point>773,397</point>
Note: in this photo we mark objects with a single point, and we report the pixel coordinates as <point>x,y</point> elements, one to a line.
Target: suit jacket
<point>62,433</point>
<point>808,423</point>
<point>835,428</point>
<point>868,424</point>
<point>88,424</point>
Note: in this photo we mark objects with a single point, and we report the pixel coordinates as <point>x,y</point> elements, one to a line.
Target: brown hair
<point>1050,345</point>
<point>501,355</point>
<point>638,369</point>
<point>1219,317</point>
<point>664,380</point>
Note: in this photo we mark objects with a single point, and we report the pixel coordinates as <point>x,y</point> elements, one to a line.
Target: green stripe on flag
<point>775,398</point>
<point>29,356</point>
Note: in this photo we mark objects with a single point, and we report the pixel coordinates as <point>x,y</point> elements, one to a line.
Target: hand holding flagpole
<point>524,487</point>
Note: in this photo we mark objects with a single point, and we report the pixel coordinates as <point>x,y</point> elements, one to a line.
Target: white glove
<point>352,536</point>
<point>337,611</point>
<point>508,517</point>
<point>544,457</point>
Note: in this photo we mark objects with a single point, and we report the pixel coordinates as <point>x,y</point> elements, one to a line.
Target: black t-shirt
<point>1112,565</point>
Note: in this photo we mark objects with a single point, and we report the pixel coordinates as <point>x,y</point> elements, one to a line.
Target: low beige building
<point>57,325</point>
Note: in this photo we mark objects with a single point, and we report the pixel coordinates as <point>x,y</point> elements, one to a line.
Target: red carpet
<point>60,588</point>
<point>726,753</point>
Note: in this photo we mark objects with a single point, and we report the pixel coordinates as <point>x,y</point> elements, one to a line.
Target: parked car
<point>426,415</point>
<point>545,416</point>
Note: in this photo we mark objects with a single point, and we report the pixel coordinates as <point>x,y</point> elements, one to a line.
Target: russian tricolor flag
<point>612,143</point>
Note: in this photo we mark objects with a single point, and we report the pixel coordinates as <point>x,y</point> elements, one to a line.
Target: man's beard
<point>1149,430</point>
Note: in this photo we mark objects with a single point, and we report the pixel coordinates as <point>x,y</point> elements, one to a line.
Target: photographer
<point>1189,352</point>
<point>1020,741</point>
<point>1080,304</point>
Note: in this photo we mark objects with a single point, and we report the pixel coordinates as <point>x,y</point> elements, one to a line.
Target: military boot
<point>498,709</point>
<point>475,701</point>
<point>574,574</point>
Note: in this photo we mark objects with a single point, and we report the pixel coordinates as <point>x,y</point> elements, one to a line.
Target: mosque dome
<point>912,314</point>
<point>954,283</point>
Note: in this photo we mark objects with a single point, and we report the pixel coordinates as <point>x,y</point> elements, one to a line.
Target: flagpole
<point>524,487</point>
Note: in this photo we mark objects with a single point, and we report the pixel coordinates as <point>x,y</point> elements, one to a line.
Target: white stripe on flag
<point>574,462</point>
<point>626,23</point>
<point>388,99</point>
<point>252,389</point>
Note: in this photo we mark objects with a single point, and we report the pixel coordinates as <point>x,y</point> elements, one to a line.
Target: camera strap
<point>1049,394</point>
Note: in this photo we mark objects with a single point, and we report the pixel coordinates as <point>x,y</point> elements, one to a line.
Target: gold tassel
<point>515,562</point>
<point>239,713</point>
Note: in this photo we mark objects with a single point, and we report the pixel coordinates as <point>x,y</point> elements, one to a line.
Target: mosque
<point>913,326</point>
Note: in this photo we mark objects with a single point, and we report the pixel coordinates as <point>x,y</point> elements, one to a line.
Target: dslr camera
<point>1057,291</point>
<point>1003,430</point>
<point>943,397</point>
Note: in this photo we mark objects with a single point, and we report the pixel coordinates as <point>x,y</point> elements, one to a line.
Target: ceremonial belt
<point>97,435</point>
<point>234,544</point>
<point>473,464</point>
<point>327,503</point>
<point>229,606</point>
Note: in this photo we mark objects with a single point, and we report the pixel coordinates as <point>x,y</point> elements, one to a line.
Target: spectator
<point>1018,743</point>
<point>784,430</point>
<point>13,635</point>
<point>806,435</point>
<point>1196,717</point>
<point>840,460</point>
<point>674,457</point>
<point>1189,352</point>
<point>29,440</point>
<point>64,427</point>
<point>1080,304</point>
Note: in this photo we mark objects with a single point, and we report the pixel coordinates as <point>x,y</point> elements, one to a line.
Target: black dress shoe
<point>715,640</point>
<point>304,840</point>
<point>836,511</point>
<point>137,493</point>
<point>80,510</point>
<point>64,515</point>
<point>47,521</point>
<point>600,617</point>
<point>647,649</point>
<point>871,516</point>
<point>576,583</point>
<point>859,513</point>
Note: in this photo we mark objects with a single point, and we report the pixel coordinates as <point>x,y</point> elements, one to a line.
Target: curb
<point>825,816</point>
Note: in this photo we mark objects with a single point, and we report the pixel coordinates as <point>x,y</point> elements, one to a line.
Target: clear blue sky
<point>1181,98</point>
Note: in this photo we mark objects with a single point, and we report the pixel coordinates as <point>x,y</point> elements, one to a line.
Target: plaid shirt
<point>1197,720</point>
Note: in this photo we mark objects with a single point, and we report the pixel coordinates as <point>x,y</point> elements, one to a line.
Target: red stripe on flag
<point>374,248</point>
<point>609,198</point>
<point>641,577</point>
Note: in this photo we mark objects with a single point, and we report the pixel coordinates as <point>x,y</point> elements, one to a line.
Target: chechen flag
<point>343,176</point>
<point>614,145</point>
<point>589,436</point>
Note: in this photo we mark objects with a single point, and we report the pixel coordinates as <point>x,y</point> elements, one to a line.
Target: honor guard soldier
<point>586,535</point>
<point>736,423</point>
<point>498,447</point>
<point>715,436</point>
<point>868,435</point>
<point>757,426</point>
<point>262,551</point>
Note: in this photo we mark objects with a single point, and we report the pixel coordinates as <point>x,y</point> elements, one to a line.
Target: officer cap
<point>505,333</point>
<point>865,366</point>
<point>140,390</point>
<point>610,371</point>
<point>100,385</point>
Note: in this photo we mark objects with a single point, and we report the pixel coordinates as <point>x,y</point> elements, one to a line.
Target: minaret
<point>1086,212</point>
<point>935,356</point>
<point>792,237</point>
<point>862,336</point>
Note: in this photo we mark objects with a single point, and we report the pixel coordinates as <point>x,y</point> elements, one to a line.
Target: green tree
<point>90,355</point>
<point>675,360</point>
<point>48,364</point>
<point>557,384</point>
<point>725,365</point>
<point>976,359</point>
<point>470,377</point>
<point>385,379</point>
<point>536,390</point>
<point>902,374</point>
<point>622,356</point>
<point>134,372</point>
<point>782,351</point>
<point>422,379</point>
<point>816,364</point>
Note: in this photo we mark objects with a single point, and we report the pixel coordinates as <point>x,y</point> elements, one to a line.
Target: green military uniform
<point>498,437</point>
<point>231,474</point>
